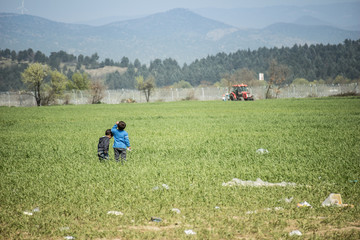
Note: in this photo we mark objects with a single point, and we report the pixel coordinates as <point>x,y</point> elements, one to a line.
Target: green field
<point>182,154</point>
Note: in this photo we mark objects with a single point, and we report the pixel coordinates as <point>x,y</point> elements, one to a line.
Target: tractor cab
<point>240,92</point>
<point>240,88</point>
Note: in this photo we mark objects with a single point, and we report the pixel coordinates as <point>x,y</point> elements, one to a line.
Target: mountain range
<point>343,15</point>
<point>179,34</point>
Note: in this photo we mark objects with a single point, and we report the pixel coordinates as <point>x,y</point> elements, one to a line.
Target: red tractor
<point>240,92</point>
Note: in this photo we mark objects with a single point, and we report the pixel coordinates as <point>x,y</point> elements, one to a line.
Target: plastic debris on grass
<point>334,199</point>
<point>37,209</point>
<point>295,233</point>
<point>189,232</point>
<point>69,237</point>
<point>30,213</point>
<point>304,204</point>
<point>176,210</point>
<point>163,186</point>
<point>156,219</point>
<point>262,151</point>
<point>257,183</point>
<point>251,212</point>
<point>115,213</point>
<point>217,207</point>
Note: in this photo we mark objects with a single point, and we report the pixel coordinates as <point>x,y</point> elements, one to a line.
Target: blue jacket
<point>121,138</point>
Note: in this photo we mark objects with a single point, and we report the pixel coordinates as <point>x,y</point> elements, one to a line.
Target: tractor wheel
<point>232,97</point>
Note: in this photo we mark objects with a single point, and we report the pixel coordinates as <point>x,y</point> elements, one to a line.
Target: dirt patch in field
<point>329,230</point>
<point>325,230</point>
<point>102,72</point>
<point>152,228</point>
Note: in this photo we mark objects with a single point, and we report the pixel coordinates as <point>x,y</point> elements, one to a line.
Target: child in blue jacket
<point>121,141</point>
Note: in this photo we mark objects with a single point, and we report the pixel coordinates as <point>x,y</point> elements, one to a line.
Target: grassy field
<point>53,186</point>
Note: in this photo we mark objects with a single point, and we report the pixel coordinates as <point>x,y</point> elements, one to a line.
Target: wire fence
<point>20,99</point>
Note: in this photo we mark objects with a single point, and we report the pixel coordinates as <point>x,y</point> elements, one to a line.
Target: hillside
<point>178,34</point>
<point>343,15</point>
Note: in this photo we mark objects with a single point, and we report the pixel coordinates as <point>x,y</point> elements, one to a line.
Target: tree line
<point>302,64</point>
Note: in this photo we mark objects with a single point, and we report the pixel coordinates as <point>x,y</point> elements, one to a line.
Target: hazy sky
<point>72,11</point>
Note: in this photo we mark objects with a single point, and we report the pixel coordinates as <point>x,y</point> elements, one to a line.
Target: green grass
<point>48,160</point>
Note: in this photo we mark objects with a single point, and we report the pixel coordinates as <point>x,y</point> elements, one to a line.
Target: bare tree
<point>146,86</point>
<point>278,74</point>
<point>97,91</point>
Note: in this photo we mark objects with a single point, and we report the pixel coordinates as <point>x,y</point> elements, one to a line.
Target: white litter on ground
<point>176,210</point>
<point>333,200</point>
<point>69,237</point>
<point>190,232</point>
<point>115,213</point>
<point>163,186</point>
<point>37,209</point>
<point>251,212</point>
<point>257,183</point>
<point>262,151</point>
<point>30,213</point>
<point>295,233</point>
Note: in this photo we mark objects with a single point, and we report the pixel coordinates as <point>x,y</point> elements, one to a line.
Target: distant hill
<point>343,15</point>
<point>309,20</point>
<point>179,34</point>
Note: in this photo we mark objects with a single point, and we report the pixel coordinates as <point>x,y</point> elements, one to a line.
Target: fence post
<point>74,96</point>
<point>9,98</point>
<point>20,98</point>
<point>294,91</point>
<point>82,100</point>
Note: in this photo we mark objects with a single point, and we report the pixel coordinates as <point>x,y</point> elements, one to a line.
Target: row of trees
<point>48,85</point>
<point>56,58</point>
<point>304,64</point>
<point>330,64</point>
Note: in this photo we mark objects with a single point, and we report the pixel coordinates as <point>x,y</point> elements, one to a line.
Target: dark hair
<point>108,132</point>
<point>121,125</point>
